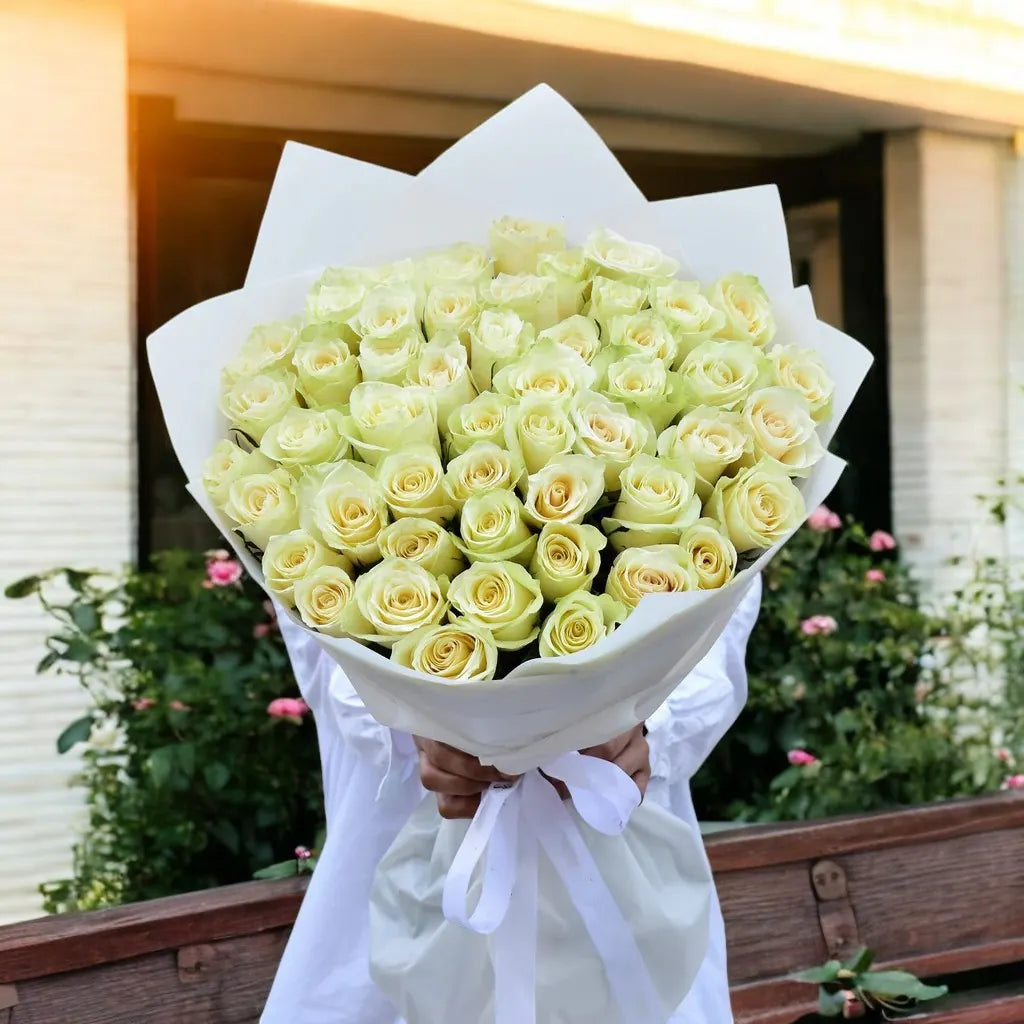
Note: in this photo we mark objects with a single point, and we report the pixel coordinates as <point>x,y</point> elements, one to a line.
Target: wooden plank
<point>53,945</point>
<point>764,845</point>
<point>999,1005</point>
<point>230,989</point>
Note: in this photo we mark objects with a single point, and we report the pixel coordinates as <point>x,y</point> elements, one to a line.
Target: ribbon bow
<point>513,821</point>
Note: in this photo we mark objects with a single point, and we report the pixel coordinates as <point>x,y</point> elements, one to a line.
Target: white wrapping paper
<point>537,158</point>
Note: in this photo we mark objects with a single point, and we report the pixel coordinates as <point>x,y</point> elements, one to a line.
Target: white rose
<point>323,600</point>
<point>712,555</point>
<point>443,368</point>
<point>492,529</point>
<point>412,479</point>
<point>579,621</point>
<point>387,310</point>
<point>501,597</point>
<point>396,598</point>
<point>757,508</point>
<point>263,505</point>
<point>336,304</point>
<point>348,511</point>
<point>747,309</point>
<point>226,464</point>
<point>457,651</point>
<point>327,369</point>
<point>481,467</point>
<point>253,405</point>
<point>517,243</point>
<point>564,491</point>
<point>567,559</point>
<point>642,383</point>
<point>645,333</point>
<point>723,374</point>
<point>568,271</point>
<point>657,501</point>
<point>613,256</point>
<point>713,439</point>
<point>497,339</point>
<point>422,541</point>
<point>268,348</point>
<point>578,333</point>
<point>780,423</point>
<point>451,306</point>
<point>461,263</point>
<point>687,312</point>
<point>529,296</point>
<point>548,370</point>
<point>803,370</point>
<point>385,417</point>
<point>662,569</point>
<point>610,299</point>
<point>390,359</point>
<point>306,437</point>
<point>537,430</point>
<point>289,557</point>
<point>607,432</point>
<point>482,419</point>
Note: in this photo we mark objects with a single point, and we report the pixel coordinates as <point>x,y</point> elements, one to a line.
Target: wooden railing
<point>938,890</point>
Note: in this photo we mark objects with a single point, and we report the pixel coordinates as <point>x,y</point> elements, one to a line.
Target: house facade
<point>142,139</point>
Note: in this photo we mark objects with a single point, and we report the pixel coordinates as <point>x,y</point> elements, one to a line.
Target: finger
<point>452,807</point>
<point>642,778</point>
<point>560,787</point>
<point>439,781</point>
<point>457,762</point>
<point>610,750</point>
<point>636,757</point>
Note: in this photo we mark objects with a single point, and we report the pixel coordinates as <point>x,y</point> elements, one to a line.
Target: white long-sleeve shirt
<point>371,786</point>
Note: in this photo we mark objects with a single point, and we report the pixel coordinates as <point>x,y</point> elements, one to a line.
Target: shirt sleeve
<point>698,713</point>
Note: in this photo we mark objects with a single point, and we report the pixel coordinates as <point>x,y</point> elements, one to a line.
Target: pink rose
<point>819,625</point>
<point>291,708</point>
<point>823,519</point>
<point>176,705</point>
<point>143,703</point>
<point>874,576</point>
<point>223,572</point>
<point>1013,782</point>
<point>881,541</point>
<point>800,758</point>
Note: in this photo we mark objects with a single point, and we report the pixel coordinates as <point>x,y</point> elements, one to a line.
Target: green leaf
<point>216,774</point>
<point>285,869</point>
<point>77,579</point>
<point>47,661</point>
<point>84,617</point>
<point>161,763</point>
<point>899,983</point>
<point>77,732</point>
<point>23,587</point>
<point>185,758</point>
<point>860,961</point>
<point>820,975</point>
<point>226,833</point>
<point>78,649</point>
<point>830,1004</point>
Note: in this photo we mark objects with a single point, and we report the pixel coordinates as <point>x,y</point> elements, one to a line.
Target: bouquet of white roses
<point>516,479</point>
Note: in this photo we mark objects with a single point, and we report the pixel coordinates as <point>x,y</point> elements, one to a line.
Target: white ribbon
<point>513,821</point>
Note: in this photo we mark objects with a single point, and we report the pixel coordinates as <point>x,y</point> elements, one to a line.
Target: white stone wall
<point>66,357</point>
<point>947,243</point>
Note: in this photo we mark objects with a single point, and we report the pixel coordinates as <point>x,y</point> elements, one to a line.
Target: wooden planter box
<point>938,890</point>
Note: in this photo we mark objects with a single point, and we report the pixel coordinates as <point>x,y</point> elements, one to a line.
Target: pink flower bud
<point>819,625</point>
<point>302,853</point>
<point>1004,755</point>
<point>290,708</point>
<point>800,758</point>
<point>176,705</point>
<point>260,630</point>
<point>853,1006</point>
<point>223,573</point>
<point>143,703</point>
<point>823,519</point>
<point>881,541</point>
<point>874,576</point>
<point>1013,782</point>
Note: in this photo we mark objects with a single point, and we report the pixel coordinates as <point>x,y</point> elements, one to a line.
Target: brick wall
<point>66,367</point>
<point>946,245</point>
